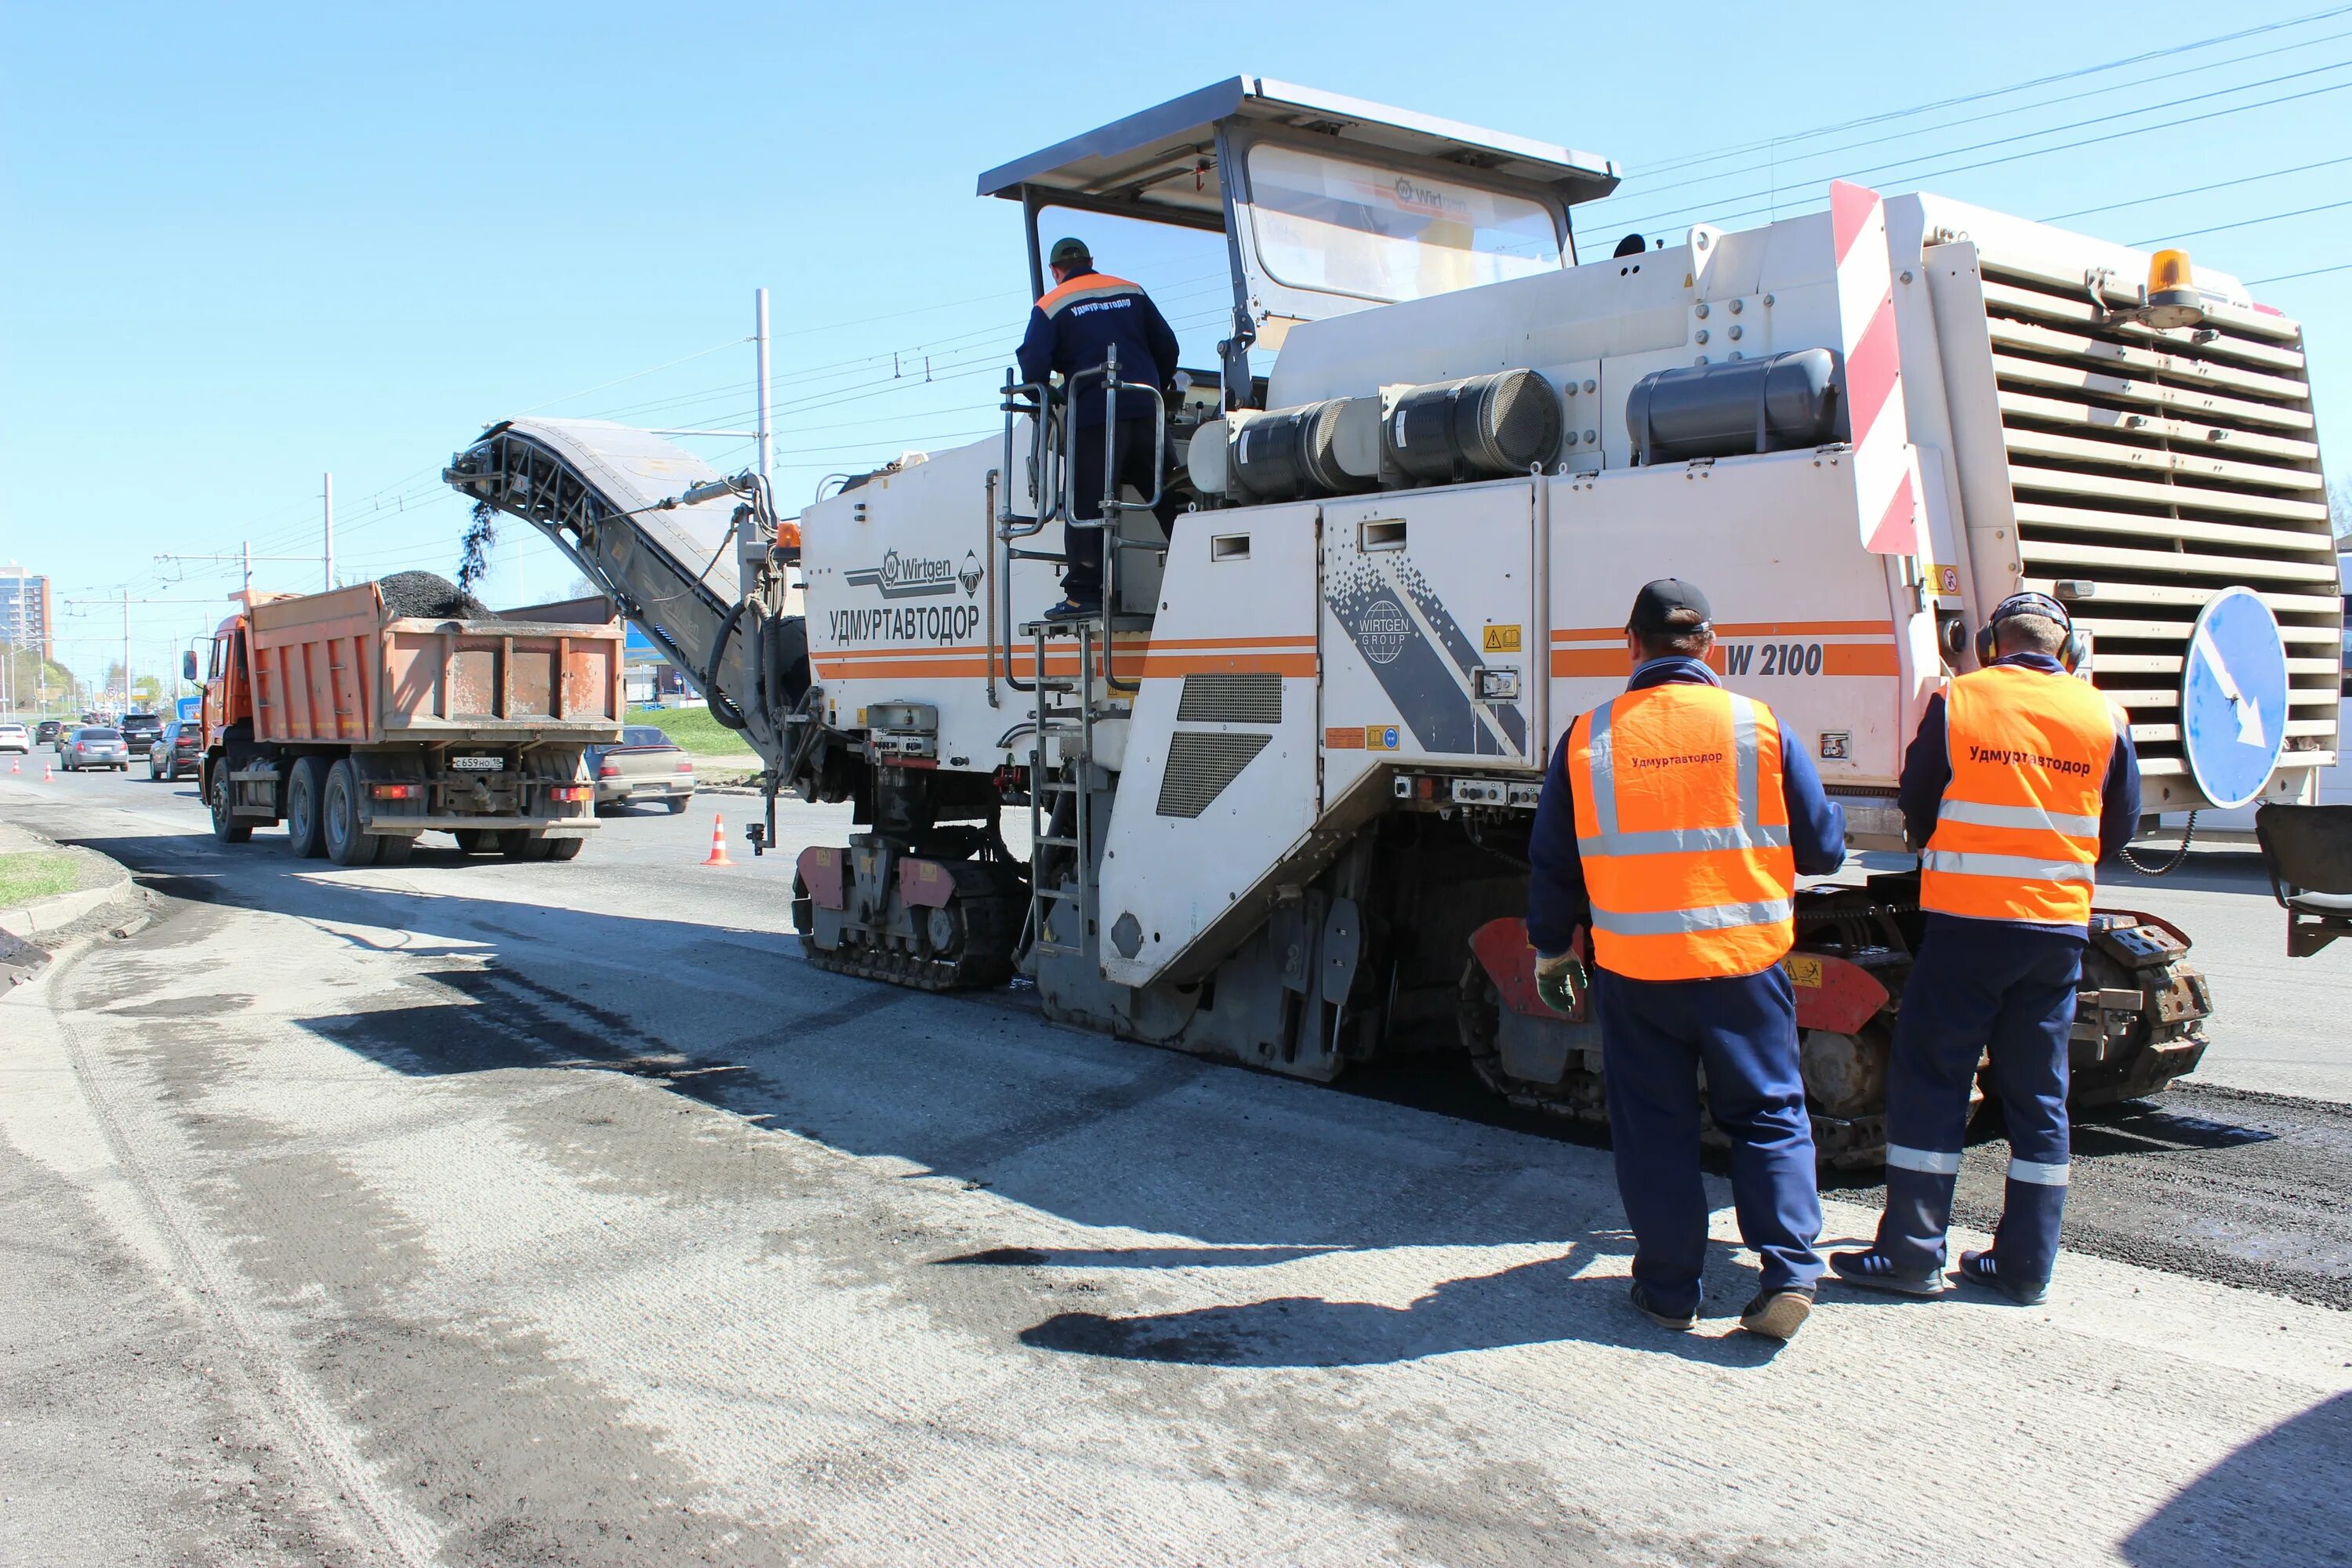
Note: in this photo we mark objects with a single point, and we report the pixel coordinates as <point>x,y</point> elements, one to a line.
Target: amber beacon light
<point>2173,298</point>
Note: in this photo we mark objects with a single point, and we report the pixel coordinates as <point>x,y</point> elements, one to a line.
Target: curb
<point>59,909</point>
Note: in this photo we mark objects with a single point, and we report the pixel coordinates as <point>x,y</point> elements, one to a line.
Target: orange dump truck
<point>361,729</point>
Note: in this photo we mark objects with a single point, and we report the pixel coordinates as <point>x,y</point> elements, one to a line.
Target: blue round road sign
<point>2233,698</point>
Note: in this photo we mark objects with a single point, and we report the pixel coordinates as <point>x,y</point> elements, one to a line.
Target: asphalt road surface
<point>470,1212</point>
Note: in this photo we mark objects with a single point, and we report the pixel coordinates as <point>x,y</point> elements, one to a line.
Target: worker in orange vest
<point>2022,779</point>
<point>1673,822</point>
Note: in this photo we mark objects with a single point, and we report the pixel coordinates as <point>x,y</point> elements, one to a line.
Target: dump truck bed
<point>335,668</point>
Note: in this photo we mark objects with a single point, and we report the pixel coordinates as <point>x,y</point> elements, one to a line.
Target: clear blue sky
<point>246,244</point>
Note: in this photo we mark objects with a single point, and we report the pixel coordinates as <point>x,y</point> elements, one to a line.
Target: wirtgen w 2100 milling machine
<point>1281,791</point>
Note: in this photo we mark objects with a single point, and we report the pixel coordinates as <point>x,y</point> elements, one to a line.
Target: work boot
<point>1777,1314</point>
<point>1665,1320</point>
<point>1984,1269</point>
<point>1076,608</point>
<point>1873,1270</point>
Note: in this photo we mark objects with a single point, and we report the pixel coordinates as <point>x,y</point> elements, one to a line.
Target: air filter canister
<point>1290,452</point>
<point>1483,428</point>
<point>1770,404</point>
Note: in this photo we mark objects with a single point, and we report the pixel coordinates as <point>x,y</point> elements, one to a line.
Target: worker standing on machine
<point>2019,781</point>
<point>1673,824</point>
<point>1084,316</point>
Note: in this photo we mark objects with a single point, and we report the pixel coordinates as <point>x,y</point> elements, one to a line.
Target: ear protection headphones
<point>2070,652</point>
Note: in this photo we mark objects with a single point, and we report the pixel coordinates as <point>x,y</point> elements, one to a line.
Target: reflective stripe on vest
<point>1658,888</point>
<point>2017,835</point>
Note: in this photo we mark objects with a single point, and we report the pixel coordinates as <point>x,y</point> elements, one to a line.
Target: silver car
<point>95,746</point>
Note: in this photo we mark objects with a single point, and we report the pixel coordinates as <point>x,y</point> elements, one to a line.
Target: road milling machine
<point>1279,790</point>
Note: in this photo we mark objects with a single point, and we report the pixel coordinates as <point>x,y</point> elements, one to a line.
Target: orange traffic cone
<point>46,776</point>
<point>718,856</point>
<point>15,767</point>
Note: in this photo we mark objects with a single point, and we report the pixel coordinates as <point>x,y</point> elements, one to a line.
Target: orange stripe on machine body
<point>1750,629</point>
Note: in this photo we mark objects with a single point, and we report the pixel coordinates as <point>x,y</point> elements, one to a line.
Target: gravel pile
<point>428,596</point>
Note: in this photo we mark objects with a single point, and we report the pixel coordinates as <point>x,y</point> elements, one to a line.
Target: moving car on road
<point>16,738</point>
<point>646,765</point>
<point>139,731</point>
<point>47,731</point>
<point>94,746</point>
<point>178,748</point>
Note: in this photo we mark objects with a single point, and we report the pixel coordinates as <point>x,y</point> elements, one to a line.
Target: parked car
<point>646,765</point>
<point>95,746</point>
<point>47,733</point>
<point>178,749</point>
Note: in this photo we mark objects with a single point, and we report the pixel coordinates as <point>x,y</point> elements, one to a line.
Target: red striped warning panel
<point>1884,468</point>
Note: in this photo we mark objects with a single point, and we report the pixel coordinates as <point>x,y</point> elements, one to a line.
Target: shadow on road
<point>2292,1483</point>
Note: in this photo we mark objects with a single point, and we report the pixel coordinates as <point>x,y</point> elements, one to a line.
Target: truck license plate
<point>479,764</point>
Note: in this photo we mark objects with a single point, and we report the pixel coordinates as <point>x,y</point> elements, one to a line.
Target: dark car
<point>47,731</point>
<point>95,746</point>
<point>140,730</point>
<point>646,765</point>
<point>174,750</point>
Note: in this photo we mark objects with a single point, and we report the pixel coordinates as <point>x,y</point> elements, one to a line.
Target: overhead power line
<point>2074,75</point>
<point>2243,222</point>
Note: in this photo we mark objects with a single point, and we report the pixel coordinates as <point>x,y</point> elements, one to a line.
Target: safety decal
<point>1380,737</point>
<point>1423,660</point>
<point>1803,971</point>
<point>1344,738</point>
<point>1837,745</point>
<point>1502,639</point>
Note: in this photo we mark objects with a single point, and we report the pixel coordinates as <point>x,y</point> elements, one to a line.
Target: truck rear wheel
<point>228,826</point>
<point>393,848</point>
<point>348,843</point>
<point>564,848</point>
<point>306,828</point>
<point>474,840</point>
<point>522,844</point>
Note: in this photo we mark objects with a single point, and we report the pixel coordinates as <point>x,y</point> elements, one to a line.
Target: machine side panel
<point>1426,623</point>
<point>901,593</point>
<point>1800,610</point>
<point>1220,781</point>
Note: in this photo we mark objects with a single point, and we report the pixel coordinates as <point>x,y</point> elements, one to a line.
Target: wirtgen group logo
<point>1382,631</point>
<point>910,577</point>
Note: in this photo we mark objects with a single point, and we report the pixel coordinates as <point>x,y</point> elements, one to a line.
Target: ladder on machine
<point>1062,749</point>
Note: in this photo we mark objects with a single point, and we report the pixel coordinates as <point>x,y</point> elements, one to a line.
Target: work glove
<point>1562,982</point>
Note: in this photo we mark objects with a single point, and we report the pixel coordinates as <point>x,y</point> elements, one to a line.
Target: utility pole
<point>767,429</point>
<point>126,650</point>
<point>327,541</point>
<point>247,549</point>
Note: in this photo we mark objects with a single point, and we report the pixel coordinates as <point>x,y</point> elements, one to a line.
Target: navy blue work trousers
<point>1131,452</point>
<point>1656,1035</point>
<point>1981,986</point>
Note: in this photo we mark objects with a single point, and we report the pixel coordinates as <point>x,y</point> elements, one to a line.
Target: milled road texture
<point>475,1213</point>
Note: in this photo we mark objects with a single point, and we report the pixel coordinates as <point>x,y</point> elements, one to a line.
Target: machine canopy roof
<point>1160,163</point>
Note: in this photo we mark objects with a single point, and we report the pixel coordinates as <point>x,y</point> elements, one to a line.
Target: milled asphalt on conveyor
<point>2235,1186</point>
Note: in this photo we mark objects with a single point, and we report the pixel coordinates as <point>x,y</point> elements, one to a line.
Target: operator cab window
<point>1338,226</point>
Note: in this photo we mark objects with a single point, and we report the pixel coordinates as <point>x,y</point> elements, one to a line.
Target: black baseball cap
<point>1658,600</point>
<point>1066,251</point>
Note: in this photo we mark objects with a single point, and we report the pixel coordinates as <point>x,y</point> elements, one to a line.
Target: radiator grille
<point>2158,469</point>
<point>1230,700</point>
<point>1201,763</point>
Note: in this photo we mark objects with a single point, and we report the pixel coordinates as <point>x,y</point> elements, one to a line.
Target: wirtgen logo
<point>905,576</point>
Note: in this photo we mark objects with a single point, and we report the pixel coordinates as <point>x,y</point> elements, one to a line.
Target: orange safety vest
<point>1683,826</point>
<point>2017,838</point>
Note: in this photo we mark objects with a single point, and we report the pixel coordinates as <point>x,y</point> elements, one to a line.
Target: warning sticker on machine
<point>1380,737</point>
<point>1502,639</point>
<point>1343,738</point>
<point>1803,971</point>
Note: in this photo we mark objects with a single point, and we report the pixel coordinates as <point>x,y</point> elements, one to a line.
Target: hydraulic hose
<point>723,707</point>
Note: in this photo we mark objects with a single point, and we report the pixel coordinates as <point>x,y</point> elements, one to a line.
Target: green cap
<point>1067,252</point>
